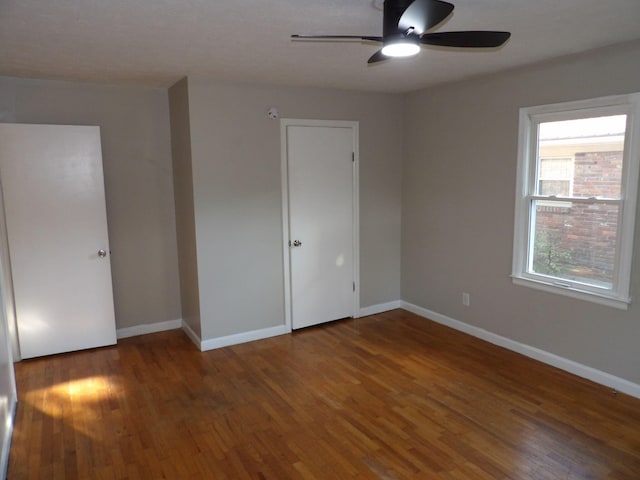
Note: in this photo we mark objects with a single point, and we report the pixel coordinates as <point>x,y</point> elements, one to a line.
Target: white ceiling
<point>156,42</point>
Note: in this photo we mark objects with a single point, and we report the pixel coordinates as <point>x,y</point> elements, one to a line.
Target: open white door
<point>321,213</point>
<point>57,230</point>
<point>8,396</point>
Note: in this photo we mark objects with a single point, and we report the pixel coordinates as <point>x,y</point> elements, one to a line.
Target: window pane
<point>560,188</point>
<point>576,242</point>
<point>552,168</point>
<point>594,148</point>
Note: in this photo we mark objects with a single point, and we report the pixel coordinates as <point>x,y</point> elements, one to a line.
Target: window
<point>576,198</point>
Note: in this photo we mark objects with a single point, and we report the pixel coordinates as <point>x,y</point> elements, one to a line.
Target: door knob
<point>297,243</point>
<point>102,253</point>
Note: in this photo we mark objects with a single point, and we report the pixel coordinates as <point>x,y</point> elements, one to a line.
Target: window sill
<point>613,302</point>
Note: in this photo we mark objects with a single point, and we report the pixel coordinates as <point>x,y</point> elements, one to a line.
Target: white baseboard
<point>213,343</point>
<point>6,441</point>
<point>148,328</point>
<point>227,341</point>
<point>598,376</point>
<point>243,337</point>
<point>379,308</point>
<point>193,336</point>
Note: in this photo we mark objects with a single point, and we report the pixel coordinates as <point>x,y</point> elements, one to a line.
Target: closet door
<point>321,213</point>
<point>57,231</point>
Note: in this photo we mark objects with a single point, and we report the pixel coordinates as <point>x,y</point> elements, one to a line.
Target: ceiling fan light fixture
<point>408,24</point>
<point>401,48</point>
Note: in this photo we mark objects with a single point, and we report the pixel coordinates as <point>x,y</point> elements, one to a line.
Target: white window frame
<point>530,117</point>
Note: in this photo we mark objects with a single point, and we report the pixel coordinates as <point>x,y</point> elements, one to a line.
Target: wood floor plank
<point>390,396</point>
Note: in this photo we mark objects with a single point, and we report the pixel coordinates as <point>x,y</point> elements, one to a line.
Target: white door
<point>321,207</point>
<point>8,395</point>
<point>57,229</point>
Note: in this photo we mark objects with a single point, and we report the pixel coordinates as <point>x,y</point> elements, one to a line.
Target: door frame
<point>9,330</point>
<point>6,283</point>
<point>355,189</point>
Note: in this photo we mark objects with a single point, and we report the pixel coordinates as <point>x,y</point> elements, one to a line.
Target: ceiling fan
<point>405,23</point>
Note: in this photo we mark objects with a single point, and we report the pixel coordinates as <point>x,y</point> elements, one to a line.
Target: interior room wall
<point>458,210</point>
<point>134,124</point>
<point>185,215</point>
<point>237,192</point>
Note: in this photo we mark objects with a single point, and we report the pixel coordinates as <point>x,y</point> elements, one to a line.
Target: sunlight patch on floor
<point>76,402</point>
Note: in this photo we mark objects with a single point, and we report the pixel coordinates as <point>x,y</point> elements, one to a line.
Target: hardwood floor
<point>390,396</point>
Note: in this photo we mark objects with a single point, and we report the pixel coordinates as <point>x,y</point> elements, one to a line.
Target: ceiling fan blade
<point>422,15</point>
<point>377,57</point>
<point>336,37</point>
<point>468,39</point>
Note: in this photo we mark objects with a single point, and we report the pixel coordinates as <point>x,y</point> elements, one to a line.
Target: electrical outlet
<point>466,299</point>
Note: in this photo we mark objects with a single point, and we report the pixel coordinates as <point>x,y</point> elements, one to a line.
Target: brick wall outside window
<point>582,236</point>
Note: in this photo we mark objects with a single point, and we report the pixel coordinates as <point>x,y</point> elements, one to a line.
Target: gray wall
<point>134,124</point>
<point>183,193</point>
<point>458,210</point>
<point>238,203</point>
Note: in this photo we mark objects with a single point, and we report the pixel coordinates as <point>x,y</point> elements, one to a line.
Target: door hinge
<point>354,286</point>
<point>353,156</point>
